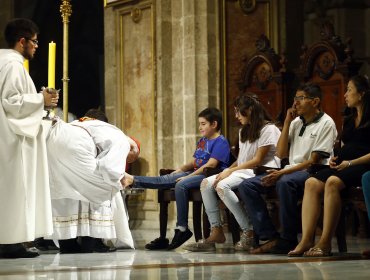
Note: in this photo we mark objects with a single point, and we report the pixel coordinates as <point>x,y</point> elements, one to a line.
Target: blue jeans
<point>366,190</point>
<point>289,188</point>
<point>181,190</point>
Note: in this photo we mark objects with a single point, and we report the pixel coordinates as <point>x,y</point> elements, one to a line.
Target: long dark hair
<point>362,86</point>
<point>258,117</point>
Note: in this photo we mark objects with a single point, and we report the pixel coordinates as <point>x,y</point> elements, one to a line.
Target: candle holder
<point>50,110</point>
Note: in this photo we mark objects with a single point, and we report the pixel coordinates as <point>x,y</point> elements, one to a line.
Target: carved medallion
<point>136,14</point>
<point>262,75</point>
<point>247,6</point>
<point>325,65</point>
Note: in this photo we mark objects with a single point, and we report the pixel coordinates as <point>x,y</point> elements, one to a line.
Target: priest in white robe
<point>87,160</point>
<point>25,206</point>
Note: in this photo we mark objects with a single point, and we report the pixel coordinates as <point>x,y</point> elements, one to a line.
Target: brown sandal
<point>318,253</point>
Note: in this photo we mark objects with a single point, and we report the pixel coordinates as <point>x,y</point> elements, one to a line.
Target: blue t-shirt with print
<point>217,148</point>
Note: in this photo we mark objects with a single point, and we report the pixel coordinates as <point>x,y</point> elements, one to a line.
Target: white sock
<point>181,228</point>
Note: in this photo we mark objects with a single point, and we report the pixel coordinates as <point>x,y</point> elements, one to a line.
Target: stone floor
<point>181,264</point>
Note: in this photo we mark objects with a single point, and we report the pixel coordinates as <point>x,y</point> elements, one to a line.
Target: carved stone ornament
<point>136,14</point>
<point>247,6</point>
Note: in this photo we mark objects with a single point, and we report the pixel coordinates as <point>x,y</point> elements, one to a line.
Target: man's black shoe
<point>180,238</point>
<point>100,247</point>
<point>95,245</point>
<point>44,244</point>
<point>69,246</point>
<point>158,244</point>
<point>14,251</point>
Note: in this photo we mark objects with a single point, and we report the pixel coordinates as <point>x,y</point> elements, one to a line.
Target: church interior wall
<point>190,55</point>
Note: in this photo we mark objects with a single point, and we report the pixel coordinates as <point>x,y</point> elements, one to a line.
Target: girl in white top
<point>257,146</point>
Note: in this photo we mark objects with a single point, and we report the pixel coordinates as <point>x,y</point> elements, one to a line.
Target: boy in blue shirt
<point>212,150</point>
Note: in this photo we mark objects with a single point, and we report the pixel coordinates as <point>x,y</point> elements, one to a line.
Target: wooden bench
<point>351,196</point>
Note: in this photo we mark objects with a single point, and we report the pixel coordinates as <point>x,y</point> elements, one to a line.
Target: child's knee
<point>205,185</point>
<point>221,192</point>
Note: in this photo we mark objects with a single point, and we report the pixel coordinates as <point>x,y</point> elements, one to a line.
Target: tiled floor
<point>180,264</point>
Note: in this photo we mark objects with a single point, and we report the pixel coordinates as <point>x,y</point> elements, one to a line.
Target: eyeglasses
<point>301,98</point>
<point>34,41</point>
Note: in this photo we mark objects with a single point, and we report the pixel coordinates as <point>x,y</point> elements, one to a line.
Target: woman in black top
<point>345,170</point>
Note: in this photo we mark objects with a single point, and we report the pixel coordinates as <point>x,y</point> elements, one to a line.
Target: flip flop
<point>318,253</point>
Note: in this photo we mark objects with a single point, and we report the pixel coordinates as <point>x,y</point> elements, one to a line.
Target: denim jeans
<point>366,190</point>
<point>224,191</point>
<point>289,188</point>
<point>181,190</point>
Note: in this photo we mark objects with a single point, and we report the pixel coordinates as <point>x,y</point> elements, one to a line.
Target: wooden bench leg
<point>163,218</point>
<point>197,220</point>
<point>206,224</point>
<point>341,232</point>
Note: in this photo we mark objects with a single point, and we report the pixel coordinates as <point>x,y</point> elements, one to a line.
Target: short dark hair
<point>311,89</point>
<point>96,114</point>
<point>212,115</point>
<point>19,28</point>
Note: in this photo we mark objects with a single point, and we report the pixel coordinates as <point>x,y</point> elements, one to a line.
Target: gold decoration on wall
<point>247,6</point>
<point>66,11</point>
<point>136,14</point>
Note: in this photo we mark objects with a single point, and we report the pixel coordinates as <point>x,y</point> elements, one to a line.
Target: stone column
<point>185,67</point>
<point>187,74</point>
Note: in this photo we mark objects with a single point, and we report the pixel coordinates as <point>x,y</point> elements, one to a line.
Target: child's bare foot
<point>127,180</point>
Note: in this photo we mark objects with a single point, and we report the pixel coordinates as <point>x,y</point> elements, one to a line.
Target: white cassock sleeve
<point>22,105</point>
<point>111,161</point>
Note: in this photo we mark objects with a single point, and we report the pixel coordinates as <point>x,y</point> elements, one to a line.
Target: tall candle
<point>51,72</point>
<point>26,65</point>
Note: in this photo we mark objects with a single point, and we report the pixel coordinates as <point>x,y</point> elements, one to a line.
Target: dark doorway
<point>86,49</point>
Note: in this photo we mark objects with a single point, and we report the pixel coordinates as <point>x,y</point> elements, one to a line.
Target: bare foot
<point>300,249</point>
<point>127,180</point>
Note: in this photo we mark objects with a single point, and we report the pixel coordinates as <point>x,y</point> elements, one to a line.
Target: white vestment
<point>25,206</point>
<point>87,161</point>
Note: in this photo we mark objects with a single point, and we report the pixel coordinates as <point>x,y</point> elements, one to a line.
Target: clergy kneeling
<point>87,160</point>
